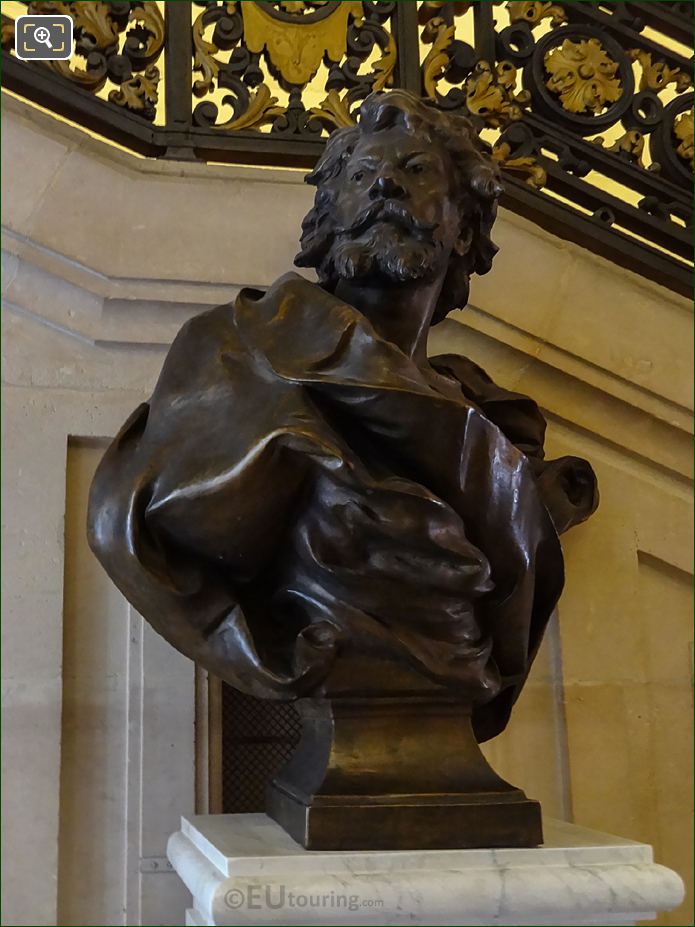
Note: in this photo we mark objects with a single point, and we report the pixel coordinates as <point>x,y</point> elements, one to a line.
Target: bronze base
<point>396,774</point>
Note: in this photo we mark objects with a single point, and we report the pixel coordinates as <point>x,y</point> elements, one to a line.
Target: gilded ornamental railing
<point>587,106</point>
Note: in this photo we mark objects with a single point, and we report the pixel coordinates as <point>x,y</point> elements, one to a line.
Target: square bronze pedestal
<point>408,822</point>
<point>396,774</point>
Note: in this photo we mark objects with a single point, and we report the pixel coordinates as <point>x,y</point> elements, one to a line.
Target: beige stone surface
<point>94,728</point>
<point>627,633</point>
<point>625,620</point>
<point>537,731</point>
<point>105,256</point>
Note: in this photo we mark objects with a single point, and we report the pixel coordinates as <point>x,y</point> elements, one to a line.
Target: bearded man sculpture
<point>313,510</point>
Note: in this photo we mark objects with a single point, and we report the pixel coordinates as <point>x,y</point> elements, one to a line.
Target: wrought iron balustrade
<point>587,106</point>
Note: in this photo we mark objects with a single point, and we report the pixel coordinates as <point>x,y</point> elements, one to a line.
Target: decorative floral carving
<point>139,94</point>
<point>439,35</point>
<point>91,79</point>
<point>296,50</point>
<point>146,40</point>
<point>583,76</point>
<point>92,20</point>
<point>450,58</point>
<point>630,145</point>
<point>527,167</point>
<point>7,32</point>
<point>334,112</point>
<point>533,12</point>
<point>97,31</point>
<point>291,42</point>
<point>203,59</point>
<point>260,109</point>
<point>490,94</point>
<point>683,130</point>
<point>657,74</point>
<point>384,67</point>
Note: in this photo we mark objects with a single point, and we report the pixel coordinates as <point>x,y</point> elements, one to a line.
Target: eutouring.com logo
<point>276,897</point>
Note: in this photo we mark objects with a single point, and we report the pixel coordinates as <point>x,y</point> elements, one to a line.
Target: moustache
<point>388,211</point>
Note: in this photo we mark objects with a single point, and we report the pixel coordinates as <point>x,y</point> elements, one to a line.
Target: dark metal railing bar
<point>484,31</point>
<point>671,24</point>
<point>405,28</point>
<point>178,62</point>
<point>562,220</point>
<point>675,238</point>
<point>40,85</point>
<point>650,183</point>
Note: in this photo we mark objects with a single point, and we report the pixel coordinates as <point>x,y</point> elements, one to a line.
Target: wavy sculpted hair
<point>478,189</point>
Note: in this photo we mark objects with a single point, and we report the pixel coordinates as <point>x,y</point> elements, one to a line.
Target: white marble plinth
<point>244,869</point>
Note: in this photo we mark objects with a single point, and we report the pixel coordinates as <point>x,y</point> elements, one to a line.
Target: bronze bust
<point>312,509</point>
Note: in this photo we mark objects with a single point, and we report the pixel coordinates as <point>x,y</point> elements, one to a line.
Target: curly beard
<point>385,251</point>
<point>385,241</point>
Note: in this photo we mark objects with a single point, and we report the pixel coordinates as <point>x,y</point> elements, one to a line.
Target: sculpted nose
<point>386,187</point>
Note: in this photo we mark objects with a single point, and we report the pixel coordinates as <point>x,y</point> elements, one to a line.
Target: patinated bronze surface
<point>313,509</point>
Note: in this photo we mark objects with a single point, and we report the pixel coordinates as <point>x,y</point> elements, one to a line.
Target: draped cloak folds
<point>296,487</point>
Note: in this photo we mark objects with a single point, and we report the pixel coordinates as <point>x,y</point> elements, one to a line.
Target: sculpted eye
<point>417,167</point>
<point>357,176</point>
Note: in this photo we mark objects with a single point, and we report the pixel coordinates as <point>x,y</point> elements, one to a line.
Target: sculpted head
<point>406,195</point>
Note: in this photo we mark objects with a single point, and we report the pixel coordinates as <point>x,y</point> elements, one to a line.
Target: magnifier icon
<point>41,34</point>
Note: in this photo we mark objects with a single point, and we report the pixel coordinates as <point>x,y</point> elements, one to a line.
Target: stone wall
<point>105,255</point>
